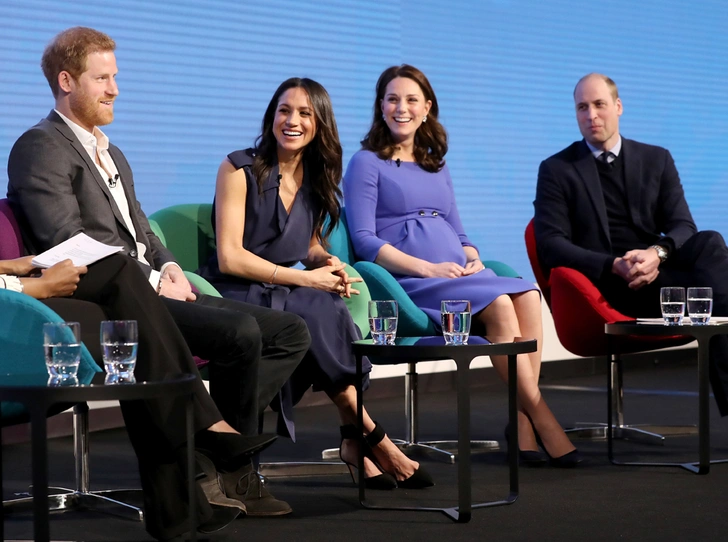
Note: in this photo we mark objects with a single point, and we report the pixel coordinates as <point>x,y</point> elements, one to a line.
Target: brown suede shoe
<point>248,486</point>
<point>211,485</point>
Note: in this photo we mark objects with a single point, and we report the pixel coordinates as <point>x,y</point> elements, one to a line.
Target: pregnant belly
<point>433,240</point>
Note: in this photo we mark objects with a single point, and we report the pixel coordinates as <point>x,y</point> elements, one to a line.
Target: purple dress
<point>283,238</point>
<point>414,211</point>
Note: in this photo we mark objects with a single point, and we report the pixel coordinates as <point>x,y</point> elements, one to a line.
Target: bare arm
<point>230,194</point>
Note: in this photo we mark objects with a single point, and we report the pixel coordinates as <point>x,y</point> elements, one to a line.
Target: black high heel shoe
<point>419,479</point>
<point>567,461</point>
<point>527,458</point>
<point>380,481</point>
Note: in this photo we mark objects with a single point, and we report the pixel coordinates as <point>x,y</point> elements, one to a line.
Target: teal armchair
<point>413,322</point>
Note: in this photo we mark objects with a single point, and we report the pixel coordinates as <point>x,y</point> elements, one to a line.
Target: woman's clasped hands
<point>332,278</point>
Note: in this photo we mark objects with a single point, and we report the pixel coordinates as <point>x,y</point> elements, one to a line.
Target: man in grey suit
<point>65,177</point>
<point>614,209</point>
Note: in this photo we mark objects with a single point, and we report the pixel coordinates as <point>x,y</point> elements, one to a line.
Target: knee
<point>242,337</point>
<point>296,330</point>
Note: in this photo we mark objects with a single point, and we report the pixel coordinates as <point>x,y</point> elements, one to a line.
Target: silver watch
<point>661,252</point>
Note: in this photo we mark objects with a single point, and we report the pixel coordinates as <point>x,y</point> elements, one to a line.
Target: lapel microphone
<point>112,182</point>
<point>398,162</point>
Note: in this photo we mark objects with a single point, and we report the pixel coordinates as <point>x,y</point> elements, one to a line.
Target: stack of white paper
<point>80,249</point>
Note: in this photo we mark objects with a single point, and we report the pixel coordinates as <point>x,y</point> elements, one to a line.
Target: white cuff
<point>154,278</point>
<point>10,282</point>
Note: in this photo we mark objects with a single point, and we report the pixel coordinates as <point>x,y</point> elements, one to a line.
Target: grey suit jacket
<point>570,219</point>
<point>56,191</point>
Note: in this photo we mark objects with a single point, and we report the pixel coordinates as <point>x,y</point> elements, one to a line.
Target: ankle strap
<point>376,436</point>
<point>349,432</point>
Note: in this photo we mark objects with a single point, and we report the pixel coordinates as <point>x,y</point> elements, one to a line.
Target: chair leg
<point>643,433</point>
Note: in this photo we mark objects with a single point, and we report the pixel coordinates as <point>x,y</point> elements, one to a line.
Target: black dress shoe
<point>526,458</point>
<point>231,450</point>
<point>420,479</point>
<point>567,461</point>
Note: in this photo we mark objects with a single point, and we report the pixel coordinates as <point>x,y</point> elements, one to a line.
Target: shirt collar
<point>615,150</point>
<point>92,141</point>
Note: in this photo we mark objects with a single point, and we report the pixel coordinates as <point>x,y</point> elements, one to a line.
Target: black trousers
<point>218,330</point>
<point>701,261</point>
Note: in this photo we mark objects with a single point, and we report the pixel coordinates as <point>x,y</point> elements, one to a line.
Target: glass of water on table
<point>62,346</point>
<point>700,305</point>
<point>672,304</point>
<point>383,321</point>
<point>119,343</point>
<point>455,318</point>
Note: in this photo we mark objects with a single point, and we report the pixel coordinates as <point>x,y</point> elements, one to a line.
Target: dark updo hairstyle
<point>323,156</point>
<point>430,139</point>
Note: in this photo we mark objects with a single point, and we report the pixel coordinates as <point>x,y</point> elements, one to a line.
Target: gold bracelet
<point>273,278</point>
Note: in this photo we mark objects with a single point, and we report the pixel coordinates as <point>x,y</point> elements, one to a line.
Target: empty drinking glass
<point>383,321</point>
<point>672,304</point>
<point>119,342</point>
<point>62,346</point>
<point>700,305</point>
<point>455,318</point>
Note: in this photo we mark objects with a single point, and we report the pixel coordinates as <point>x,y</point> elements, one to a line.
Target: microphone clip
<point>112,182</point>
<point>398,162</point>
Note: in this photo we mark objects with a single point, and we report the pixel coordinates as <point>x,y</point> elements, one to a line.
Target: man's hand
<point>637,267</point>
<point>60,280</point>
<point>174,284</point>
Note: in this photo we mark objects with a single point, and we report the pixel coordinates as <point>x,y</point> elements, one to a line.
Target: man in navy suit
<point>614,209</point>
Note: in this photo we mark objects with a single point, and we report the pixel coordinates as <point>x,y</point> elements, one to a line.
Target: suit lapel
<point>125,179</point>
<point>67,133</point>
<point>587,170</point>
<point>632,174</point>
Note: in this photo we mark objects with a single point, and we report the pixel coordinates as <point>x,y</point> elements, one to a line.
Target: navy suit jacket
<point>570,220</point>
<point>56,191</point>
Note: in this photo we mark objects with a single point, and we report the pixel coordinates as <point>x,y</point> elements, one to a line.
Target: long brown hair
<point>322,157</point>
<point>430,145</point>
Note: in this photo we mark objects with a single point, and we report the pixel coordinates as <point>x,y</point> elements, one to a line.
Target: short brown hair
<point>608,80</point>
<point>430,138</point>
<point>69,50</point>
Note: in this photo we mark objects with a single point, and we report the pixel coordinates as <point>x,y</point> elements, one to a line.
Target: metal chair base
<point>642,433</point>
<point>295,469</point>
<point>65,500</point>
<point>439,450</point>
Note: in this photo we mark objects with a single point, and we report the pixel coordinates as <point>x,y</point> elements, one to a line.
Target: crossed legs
<point>519,315</point>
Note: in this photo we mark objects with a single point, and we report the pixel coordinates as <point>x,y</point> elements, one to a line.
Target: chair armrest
<point>382,285</point>
<point>358,305</point>
<point>201,284</point>
<point>501,269</point>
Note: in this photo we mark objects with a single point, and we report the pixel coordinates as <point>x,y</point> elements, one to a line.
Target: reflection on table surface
<point>439,340</point>
<point>98,380</point>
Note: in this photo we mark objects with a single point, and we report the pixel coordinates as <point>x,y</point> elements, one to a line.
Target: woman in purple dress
<point>271,203</point>
<point>402,215</point>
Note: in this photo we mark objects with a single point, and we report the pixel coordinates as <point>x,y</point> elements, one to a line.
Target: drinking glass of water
<point>62,345</point>
<point>455,318</point>
<point>119,342</point>
<point>383,321</point>
<point>672,304</point>
<point>700,305</point>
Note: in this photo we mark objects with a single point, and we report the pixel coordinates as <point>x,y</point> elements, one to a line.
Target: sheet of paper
<point>686,321</point>
<point>80,249</point>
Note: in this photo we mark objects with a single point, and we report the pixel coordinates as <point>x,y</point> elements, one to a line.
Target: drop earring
<point>424,119</point>
<point>383,117</point>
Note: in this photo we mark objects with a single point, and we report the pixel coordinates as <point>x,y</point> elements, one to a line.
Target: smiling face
<point>403,107</point>
<point>91,97</point>
<point>294,124</point>
<point>597,112</point>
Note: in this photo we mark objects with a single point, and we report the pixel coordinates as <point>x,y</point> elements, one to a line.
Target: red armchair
<point>580,313</point>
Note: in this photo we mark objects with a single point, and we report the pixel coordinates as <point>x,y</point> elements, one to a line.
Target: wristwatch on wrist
<point>661,252</point>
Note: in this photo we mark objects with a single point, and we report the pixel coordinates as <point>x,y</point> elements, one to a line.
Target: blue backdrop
<point>195,78</point>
